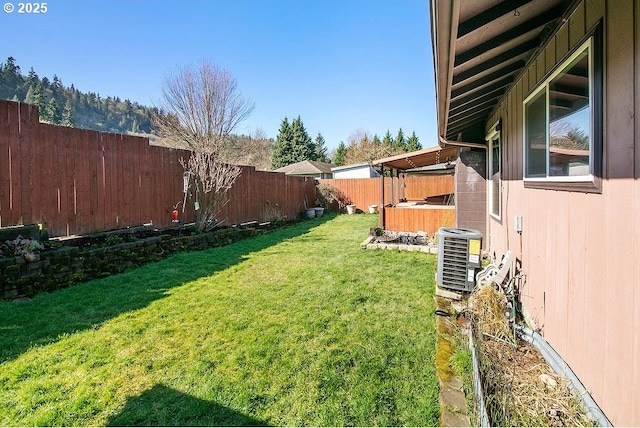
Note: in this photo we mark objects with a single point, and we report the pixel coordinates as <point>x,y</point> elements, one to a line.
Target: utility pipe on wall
<point>559,366</point>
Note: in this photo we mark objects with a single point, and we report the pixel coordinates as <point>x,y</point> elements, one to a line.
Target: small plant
<point>130,238</point>
<point>113,240</point>
<point>20,247</point>
<point>273,213</point>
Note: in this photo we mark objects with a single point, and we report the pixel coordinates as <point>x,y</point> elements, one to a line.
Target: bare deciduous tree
<point>200,107</point>
<point>212,181</point>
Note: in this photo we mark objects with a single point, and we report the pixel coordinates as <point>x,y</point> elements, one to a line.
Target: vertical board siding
<point>366,191</point>
<point>76,181</point>
<point>427,220</point>
<point>582,287</point>
<point>635,374</point>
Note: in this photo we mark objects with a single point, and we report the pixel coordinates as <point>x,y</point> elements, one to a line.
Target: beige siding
<point>580,251</point>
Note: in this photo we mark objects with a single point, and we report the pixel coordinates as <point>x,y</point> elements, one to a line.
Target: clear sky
<point>341,65</point>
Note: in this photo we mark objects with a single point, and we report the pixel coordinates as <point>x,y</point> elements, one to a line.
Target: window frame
<point>591,183</point>
<point>491,136</point>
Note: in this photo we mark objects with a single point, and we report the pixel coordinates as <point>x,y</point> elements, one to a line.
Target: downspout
<point>559,366</point>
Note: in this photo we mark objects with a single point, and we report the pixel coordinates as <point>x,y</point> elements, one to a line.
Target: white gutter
<point>442,142</point>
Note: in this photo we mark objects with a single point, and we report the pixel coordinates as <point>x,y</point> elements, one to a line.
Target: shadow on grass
<point>164,406</point>
<point>46,317</point>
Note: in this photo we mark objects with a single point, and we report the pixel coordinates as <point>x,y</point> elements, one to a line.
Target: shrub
<point>331,198</point>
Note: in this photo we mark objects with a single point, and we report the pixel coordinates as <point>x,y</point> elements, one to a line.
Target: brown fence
<point>77,181</point>
<point>366,191</point>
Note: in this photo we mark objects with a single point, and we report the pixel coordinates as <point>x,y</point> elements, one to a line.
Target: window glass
<point>535,136</point>
<point>570,119</point>
<point>494,167</point>
<point>558,116</point>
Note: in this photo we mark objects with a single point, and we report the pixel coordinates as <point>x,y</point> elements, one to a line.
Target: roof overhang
<point>480,48</point>
<point>419,158</point>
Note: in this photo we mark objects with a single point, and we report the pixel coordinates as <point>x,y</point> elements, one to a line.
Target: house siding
<point>580,251</point>
<point>471,191</point>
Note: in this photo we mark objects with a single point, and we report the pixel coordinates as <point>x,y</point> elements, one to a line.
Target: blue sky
<point>340,65</point>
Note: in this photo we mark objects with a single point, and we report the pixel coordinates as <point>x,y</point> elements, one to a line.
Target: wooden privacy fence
<point>76,181</point>
<point>366,191</point>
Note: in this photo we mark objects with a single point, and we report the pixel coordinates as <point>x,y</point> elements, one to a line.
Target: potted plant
<point>373,209</point>
<point>311,212</point>
<point>351,208</point>
<point>319,211</point>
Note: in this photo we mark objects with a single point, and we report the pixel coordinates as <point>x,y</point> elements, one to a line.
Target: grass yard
<point>296,327</point>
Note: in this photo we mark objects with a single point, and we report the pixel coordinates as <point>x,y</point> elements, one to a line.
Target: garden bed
<point>519,387</point>
<point>28,267</point>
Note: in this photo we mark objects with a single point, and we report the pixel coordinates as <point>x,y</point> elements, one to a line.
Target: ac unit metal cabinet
<point>458,258</point>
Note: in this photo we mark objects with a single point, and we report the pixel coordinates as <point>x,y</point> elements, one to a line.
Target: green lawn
<point>296,327</point>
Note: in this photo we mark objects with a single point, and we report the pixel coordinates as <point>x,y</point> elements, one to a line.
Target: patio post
<point>392,192</point>
<point>381,210</point>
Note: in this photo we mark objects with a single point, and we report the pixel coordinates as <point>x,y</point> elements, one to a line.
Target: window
<point>494,178</point>
<point>562,123</point>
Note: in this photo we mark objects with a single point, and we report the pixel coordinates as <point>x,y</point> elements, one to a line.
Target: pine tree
<point>52,112</point>
<point>338,157</point>
<point>321,150</point>
<point>387,140</point>
<point>39,99</point>
<point>67,115</point>
<point>281,155</point>
<point>413,143</point>
<point>399,142</point>
<point>301,143</point>
<point>376,140</point>
<point>32,77</point>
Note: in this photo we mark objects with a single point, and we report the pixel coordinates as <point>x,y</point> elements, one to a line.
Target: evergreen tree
<point>412,143</point>
<point>282,150</point>
<point>387,140</point>
<point>30,94</point>
<point>10,70</point>
<point>32,77</point>
<point>39,99</point>
<point>301,143</point>
<point>52,112</point>
<point>338,157</point>
<point>376,140</point>
<point>399,142</point>
<point>67,115</point>
<point>321,150</point>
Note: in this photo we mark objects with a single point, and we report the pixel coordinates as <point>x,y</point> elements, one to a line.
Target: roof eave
<point>444,24</point>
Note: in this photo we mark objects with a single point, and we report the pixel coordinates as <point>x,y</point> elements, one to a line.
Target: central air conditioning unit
<point>458,258</point>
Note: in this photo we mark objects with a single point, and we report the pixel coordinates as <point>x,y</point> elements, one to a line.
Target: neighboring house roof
<point>480,49</point>
<point>424,157</point>
<point>306,167</point>
<point>352,166</point>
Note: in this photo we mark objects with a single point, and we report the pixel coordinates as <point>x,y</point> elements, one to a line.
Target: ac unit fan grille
<point>454,264</point>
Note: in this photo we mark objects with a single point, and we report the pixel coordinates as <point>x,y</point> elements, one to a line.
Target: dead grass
<point>520,387</point>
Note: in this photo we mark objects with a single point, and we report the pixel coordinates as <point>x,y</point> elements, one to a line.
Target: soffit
<point>489,44</point>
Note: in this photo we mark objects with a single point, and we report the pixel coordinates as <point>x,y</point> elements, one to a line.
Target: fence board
<point>15,162</point>
<point>5,167</point>
<point>366,191</point>
<point>79,181</point>
<point>428,220</point>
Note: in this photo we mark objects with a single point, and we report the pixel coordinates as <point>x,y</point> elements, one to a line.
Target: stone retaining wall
<point>60,268</point>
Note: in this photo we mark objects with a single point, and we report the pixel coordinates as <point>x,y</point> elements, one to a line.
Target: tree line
<point>294,144</point>
<point>66,105</point>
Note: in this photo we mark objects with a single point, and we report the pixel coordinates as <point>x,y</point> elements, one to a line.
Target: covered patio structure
<point>406,209</point>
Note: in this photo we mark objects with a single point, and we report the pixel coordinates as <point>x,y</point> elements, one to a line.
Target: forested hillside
<point>67,106</point>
